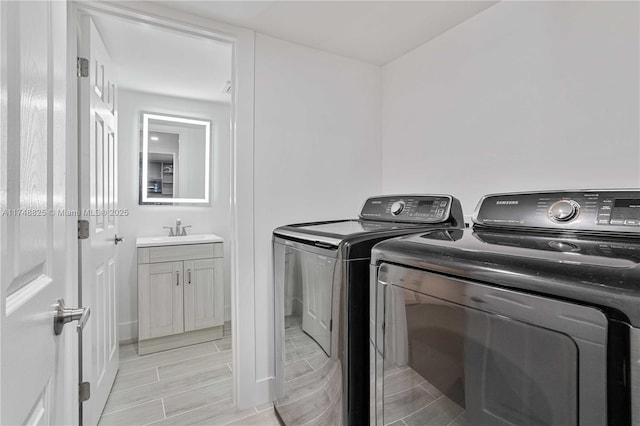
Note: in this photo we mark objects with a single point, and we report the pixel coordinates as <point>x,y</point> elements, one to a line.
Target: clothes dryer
<point>321,274</point>
<point>531,318</point>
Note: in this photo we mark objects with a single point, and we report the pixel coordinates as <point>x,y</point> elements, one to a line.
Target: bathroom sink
<point>175,241</point>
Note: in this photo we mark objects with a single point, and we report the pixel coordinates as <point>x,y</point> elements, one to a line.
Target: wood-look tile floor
<point>411,400</point>
<point>313,381</point>
<point>184,386</point>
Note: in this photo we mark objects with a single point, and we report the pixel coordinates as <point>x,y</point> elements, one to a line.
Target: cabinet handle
<point>189,276</point>
<point>177,277</point>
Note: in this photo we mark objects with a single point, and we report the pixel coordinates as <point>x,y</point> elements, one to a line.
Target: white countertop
<point>177,241</point>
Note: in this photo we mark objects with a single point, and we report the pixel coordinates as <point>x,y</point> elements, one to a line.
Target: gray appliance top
<point>348,227</point>
<point>578,245</point>
<point>380,217</point>
<point>589,269</point>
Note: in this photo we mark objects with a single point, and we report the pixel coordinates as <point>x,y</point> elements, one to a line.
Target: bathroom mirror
<point>175,159</point>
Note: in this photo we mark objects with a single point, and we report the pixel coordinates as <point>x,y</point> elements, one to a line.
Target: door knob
<point>64,315</point>
<point>118,239</point>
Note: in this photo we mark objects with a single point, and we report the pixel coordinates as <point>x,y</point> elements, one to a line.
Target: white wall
<point>523,96</point>
<point>317,153</point>
<point>149,220</point>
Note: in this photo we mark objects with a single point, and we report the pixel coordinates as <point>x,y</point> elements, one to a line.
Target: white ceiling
<point>156,60</point>
<point>372,31</point>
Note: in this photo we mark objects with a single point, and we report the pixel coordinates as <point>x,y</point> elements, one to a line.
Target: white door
<point>317,283</point>
<point>38,369</point>
<point>98,201</point>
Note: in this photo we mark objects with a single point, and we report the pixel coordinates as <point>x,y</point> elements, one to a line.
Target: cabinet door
<point>160,292</point>
<point>203,294</point>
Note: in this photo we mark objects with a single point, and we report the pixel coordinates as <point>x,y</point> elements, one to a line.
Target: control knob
<point>564,210</point>
<point>397,207</point>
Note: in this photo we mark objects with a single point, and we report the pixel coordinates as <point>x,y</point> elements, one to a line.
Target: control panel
<point>410,208</point>
<point>606,210</point>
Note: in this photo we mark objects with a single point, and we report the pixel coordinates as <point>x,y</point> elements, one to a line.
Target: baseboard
<point>227,313</point>
<point>128,331</point>
<point>263,391</point>
<point>178,340</point>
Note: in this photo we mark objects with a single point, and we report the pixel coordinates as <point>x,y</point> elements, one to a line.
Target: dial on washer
<point>564,211</point>
<point>397,207</point>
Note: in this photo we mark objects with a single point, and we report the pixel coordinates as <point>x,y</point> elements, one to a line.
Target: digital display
<point>424,206</point>
<point>627,203</point>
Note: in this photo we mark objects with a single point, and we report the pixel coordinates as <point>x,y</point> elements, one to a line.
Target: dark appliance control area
<point>597,211</point>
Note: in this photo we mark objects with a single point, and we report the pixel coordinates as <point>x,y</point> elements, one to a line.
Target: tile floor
<point>410,400</point>
<point>184,386</point>
<point>312,380</point>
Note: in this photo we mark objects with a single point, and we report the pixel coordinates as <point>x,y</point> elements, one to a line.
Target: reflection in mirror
<point>175,159</point>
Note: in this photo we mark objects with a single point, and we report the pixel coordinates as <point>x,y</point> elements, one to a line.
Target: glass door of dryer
<point>308,371</point>
<point>452,352</point>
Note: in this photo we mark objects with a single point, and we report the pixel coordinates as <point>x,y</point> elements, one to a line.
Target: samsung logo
<point>507,202</point>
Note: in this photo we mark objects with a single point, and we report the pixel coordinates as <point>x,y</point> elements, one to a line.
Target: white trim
<point>128,331</point>
<point>247,391</point>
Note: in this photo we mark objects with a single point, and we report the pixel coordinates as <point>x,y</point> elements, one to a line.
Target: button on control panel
<point>414,209</point>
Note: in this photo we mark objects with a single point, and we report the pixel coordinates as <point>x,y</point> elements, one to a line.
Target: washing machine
<point>321,276</point>
<point>532,317</point>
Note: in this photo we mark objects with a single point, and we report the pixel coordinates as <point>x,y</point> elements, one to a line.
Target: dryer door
<point>457,352</point>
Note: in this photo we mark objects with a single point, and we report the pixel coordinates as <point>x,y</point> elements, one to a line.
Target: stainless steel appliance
<point>530,318</point>
<point>321,273</point>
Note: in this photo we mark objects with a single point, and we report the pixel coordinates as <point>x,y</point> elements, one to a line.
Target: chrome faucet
<point>179,229</point>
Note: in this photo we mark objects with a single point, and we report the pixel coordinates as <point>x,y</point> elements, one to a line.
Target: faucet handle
<point>170,228</point>
<point>184,229</point>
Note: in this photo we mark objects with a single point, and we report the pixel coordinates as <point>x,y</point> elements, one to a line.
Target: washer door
<point>455,352</point>
<point>308,382</point>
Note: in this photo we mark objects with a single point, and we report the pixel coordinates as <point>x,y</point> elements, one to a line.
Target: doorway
<point>178,73</point>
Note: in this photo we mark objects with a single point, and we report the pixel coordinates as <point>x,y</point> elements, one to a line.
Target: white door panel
<point>161,291</point>
<point>38,369</point>
<point>203,295</point>
<point>317,282</point>
<point>98,199</point>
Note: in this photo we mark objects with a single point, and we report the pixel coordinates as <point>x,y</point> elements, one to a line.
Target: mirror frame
<point>145,158</point>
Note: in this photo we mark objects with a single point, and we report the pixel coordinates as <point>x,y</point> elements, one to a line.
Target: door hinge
<point>83,67</point>
<point>85,391</point>
<point>83,229</point>
<point>330,325</point>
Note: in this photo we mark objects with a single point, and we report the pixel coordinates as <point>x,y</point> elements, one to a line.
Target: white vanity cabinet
<point>160,300</point>
<point>200,310</point>
<point>180,295</point>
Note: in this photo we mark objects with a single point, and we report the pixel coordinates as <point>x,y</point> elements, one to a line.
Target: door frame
<point>248,389</point>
